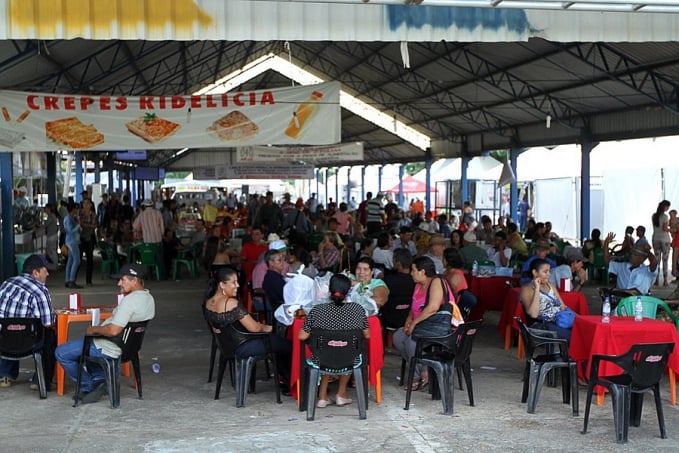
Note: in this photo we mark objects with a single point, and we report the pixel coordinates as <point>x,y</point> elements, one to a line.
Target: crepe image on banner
<point>234,126</point>
<point>152,128</point>
<point>73,133</point>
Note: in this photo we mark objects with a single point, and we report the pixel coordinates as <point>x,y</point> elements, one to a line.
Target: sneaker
<point>323,403</point>
<point>95,395</point>
<point>5,382</point>
<point>343,401</point>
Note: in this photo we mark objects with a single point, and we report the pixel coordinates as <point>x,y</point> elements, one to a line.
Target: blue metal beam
<point>401,172</point>
<point>514,152</point>
<point>585,193</point>
<point>7,215</point>
<point>51,161</point>
<point>78,176</point>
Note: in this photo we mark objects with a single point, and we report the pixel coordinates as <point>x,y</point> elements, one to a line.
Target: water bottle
<point>606,311</point>
<point>475,268</point>
<point>638,310</point>
<point>155,366</point>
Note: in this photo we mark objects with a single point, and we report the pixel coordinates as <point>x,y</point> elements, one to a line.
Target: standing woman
<point>661,239</point>
<point>72,230</point>
<point>429,315</point>
<point>542,301</point>
<point>88,225</point>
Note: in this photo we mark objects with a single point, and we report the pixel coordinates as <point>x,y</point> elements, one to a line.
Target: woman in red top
<point>251,252</point>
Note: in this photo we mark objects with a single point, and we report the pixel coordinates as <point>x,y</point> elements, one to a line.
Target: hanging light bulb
<point>548,121</point>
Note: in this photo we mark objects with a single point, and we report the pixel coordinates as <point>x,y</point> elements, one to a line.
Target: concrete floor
<point>178,412</point>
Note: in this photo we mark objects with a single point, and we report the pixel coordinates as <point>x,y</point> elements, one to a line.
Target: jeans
<point>281,348</point>
<point>10,368</point>
<point>72,263</point>
<point>88,249</point>
<point>68,355</point>
<point>406,346</point>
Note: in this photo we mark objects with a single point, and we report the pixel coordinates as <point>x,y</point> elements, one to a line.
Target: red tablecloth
<point>576,301</point>
<point>590,336</point>
<point>490,293</point>
<point>375,352</point>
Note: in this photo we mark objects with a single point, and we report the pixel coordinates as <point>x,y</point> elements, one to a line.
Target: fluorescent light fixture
<point>303,77</point>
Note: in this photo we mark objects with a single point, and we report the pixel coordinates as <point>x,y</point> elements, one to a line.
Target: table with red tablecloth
<point>490,293</point>
<point>590,336</point>
<point>375,356</point>
<point>507,326</point>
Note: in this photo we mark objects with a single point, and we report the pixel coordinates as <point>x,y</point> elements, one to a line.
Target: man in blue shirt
<point>634,276</point>
<point>26,296</point>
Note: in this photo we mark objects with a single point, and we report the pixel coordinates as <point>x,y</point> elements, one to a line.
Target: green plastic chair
<point>20,259</point>
<point>149,256</point>
<point>650,304</point>
<point>188,258</point>
<point>597,264</point>
<point>109,259</point>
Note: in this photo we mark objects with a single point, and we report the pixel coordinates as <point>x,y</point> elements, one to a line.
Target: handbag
<point>64,250</point>
<point>565,318</point>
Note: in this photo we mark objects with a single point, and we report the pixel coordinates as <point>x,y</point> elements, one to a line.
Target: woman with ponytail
<point>339,314</point>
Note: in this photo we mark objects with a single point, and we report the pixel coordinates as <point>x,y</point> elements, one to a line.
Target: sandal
<point>424,383</point>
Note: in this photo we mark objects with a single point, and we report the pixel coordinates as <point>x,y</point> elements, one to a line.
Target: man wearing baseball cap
<point>634,276</point>
<point>26,296</point>
<point>137,305</point>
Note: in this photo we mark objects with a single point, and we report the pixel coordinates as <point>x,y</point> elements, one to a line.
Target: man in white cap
<point>22,200</point>
<point>150,222</point>
<point>634,276</point>
<point>279,246</point>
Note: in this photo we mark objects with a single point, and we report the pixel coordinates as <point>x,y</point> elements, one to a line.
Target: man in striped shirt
<point>26,296</point>
<point>150,222</point>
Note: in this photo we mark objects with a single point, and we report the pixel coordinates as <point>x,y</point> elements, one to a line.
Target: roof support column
<point>97,170</point>
<point>337,186</point>
<point>401,172</point>
<point>7,215</point>
<point>363,183</point>
<point>514,152</point>
<point>427,180</point>
<point>325,192</point>
<point>78,156</point>
<point>585,206</point>
<point>111,187</point>
<point>379,179</point>
<point>464,184</point>
<point>51,162</point>
<point>348,186</point>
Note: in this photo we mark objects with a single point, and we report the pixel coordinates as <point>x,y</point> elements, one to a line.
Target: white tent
<point>482,168</point>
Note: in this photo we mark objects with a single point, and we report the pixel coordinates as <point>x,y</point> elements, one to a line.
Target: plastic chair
<point>650,305</point>
<point>129,341</point>
<point>597,264</point>
<point>260,304</point>
<point>20,258</point>
<point>228,338</point>
<point>19,338</point>
<point>149,256</point>
<point>109,259</point>
<point>188,258</point>
<point>337,352</point>
<point>539,365</point>
<point>643,366</point>
<point>444,355</point>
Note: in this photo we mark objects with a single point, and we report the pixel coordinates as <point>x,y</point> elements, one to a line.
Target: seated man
<point>470,251</point>
<point>573,269</point>
<point>541,251</point>
<point>274,282</point>
<point>401,287</point>
<point>634,276</point>
<point>137,305</point>
<point>500,253</point>
<point>26,296</point>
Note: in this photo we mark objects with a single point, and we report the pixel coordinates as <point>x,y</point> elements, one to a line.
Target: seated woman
<point>328,252</point>
<point>298,256</point>
<point>336,315</point>
<point>594,242</point>
<point>456,239</point>
<point>515,241</point>
<point>542,301</point>
<point>452,260</point>
<point>218,252</point>
<point>430,315</point>
<point>366,285</point>
<point>223,308</point>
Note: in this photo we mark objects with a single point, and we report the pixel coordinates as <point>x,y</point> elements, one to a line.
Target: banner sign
<point>302,115</point>
<point>254,171</point>
<point>349,152</point>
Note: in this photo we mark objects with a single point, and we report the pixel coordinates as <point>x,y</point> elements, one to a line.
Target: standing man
<point>52,235</point>
<point>150,222</point>
<point>375,214</point>
<point>137,305</point>
<point>101,214</point>
<point>26,296</point>
<point>269,216</point>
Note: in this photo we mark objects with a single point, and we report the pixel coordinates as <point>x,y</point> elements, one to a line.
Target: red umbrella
<point>412,185</point>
